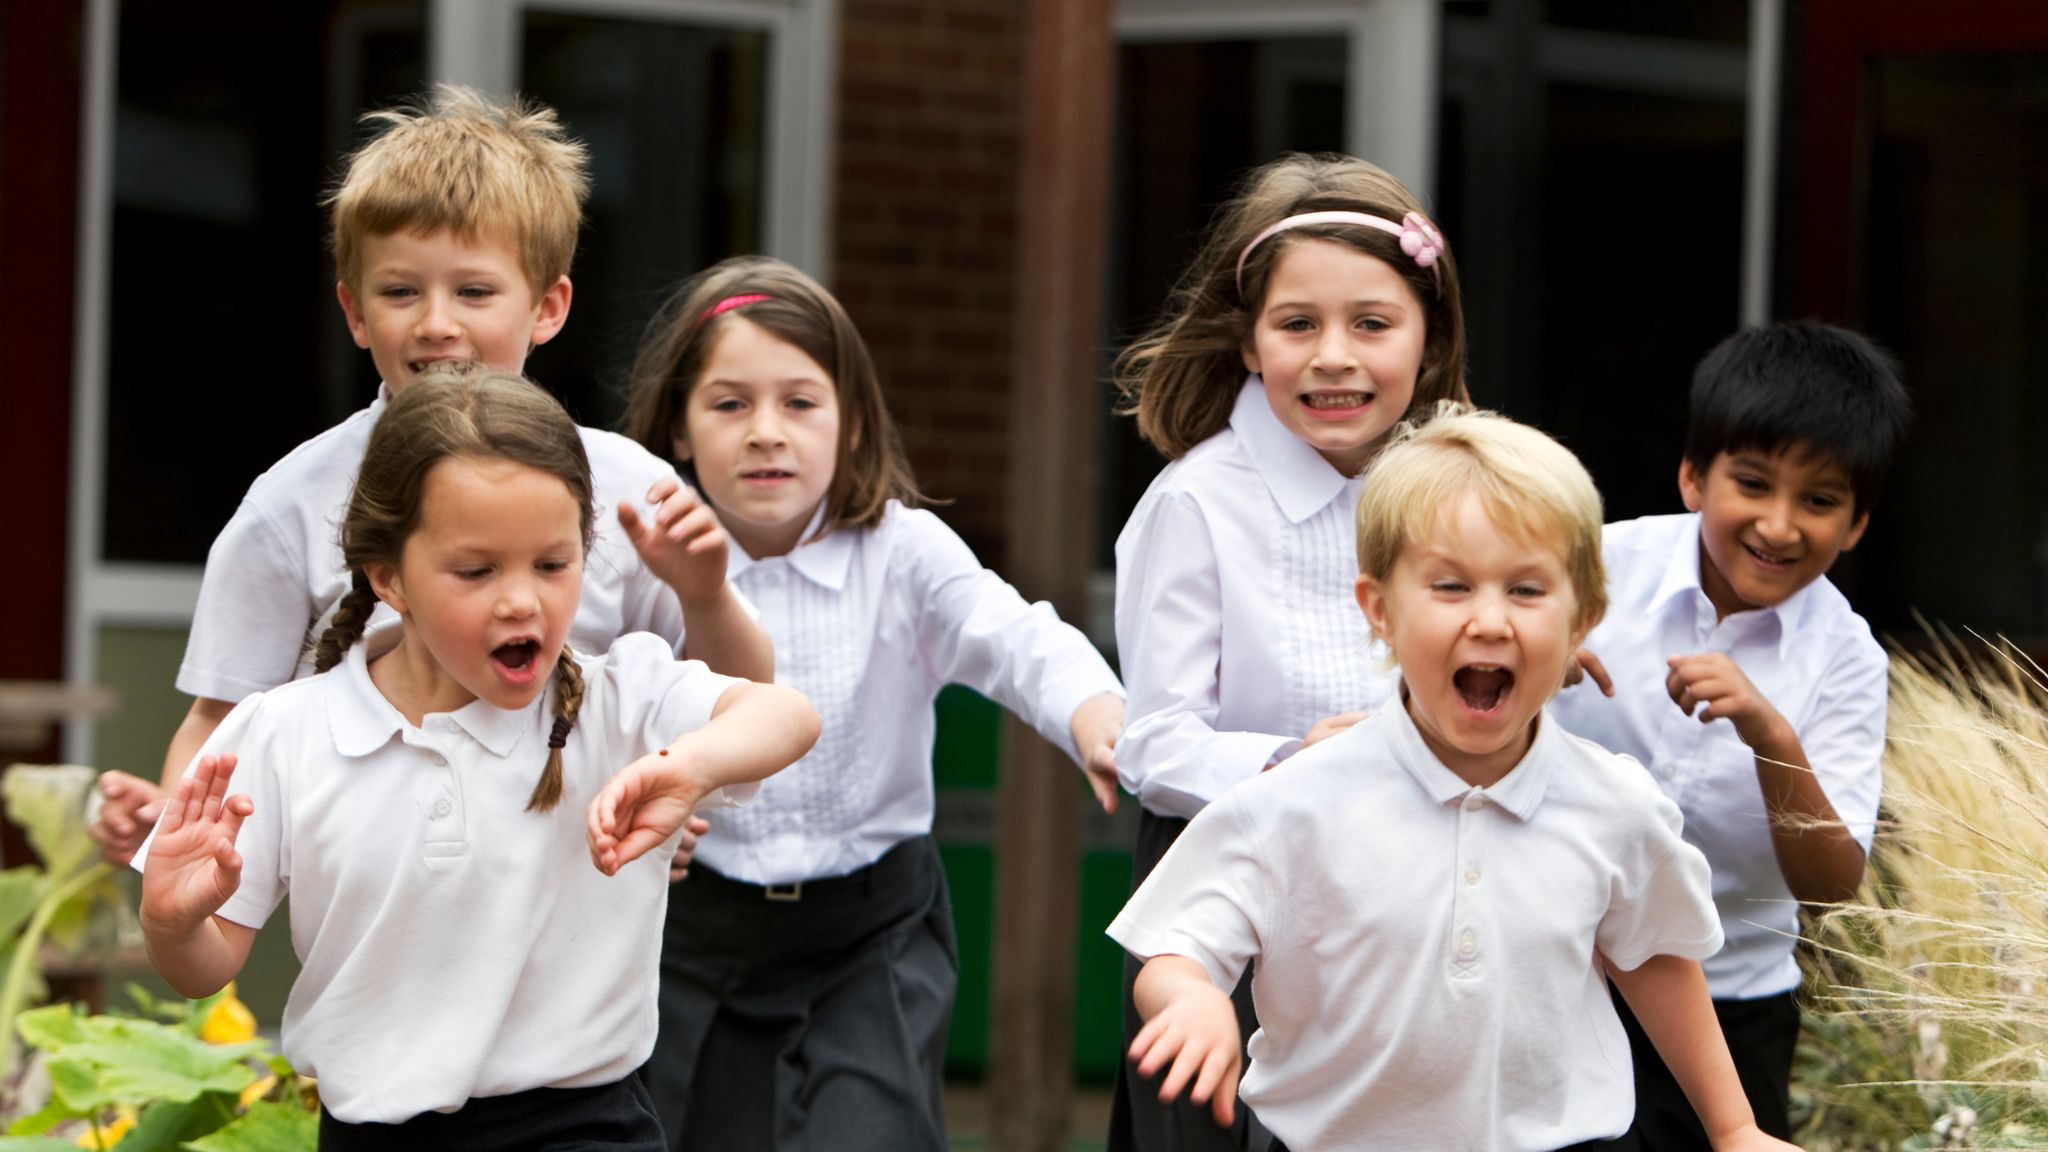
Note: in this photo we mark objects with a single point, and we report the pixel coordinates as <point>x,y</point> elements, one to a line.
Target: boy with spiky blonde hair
<point>1437,896</point>
<point>453,233</point>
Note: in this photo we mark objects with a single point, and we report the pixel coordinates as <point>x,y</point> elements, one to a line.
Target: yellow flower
<point>257,1091</point>
<point>230,1022</point>
<point>104,1137</point>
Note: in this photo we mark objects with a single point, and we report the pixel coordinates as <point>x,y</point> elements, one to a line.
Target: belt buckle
<point>784,893</point>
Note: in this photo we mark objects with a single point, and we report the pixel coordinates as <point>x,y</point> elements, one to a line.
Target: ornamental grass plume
<point>1928,996</point>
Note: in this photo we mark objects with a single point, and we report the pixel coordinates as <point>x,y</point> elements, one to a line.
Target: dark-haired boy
<point>1772,749</point>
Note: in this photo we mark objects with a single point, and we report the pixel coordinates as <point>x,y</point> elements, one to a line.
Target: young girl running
<point>1322,308</point>
<point>468,980</point>
<point>810,965</point>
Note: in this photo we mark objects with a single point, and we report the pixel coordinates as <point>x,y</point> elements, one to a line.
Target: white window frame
<point>471,41</point>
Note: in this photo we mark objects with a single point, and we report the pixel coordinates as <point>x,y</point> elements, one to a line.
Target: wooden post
<point>1055,415</point>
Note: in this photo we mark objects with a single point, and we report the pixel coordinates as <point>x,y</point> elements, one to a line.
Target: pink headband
<point>1419,238</point>
<point>728,304</point>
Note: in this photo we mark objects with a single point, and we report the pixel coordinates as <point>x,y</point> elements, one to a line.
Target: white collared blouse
<point>1811,656</point>
<point>871,623</point>
<point>1236,623</point>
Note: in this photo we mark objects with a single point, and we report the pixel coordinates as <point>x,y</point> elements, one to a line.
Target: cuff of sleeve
<point>1228,758</point>
<point>730,796</point>
<point>1060,709</point>
<point>1145,943</point>
<point>1698,948</point>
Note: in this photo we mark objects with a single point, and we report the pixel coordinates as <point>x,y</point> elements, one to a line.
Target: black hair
<point>1805,387</point>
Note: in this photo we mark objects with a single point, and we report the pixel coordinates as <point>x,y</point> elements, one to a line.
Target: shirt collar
<point>1520,792</point>
<point>1682,575</point>
<point>823,560</point>
<point>363,721</point>
<point>1301,481</point>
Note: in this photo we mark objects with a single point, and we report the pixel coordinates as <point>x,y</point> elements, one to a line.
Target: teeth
<point>1335,399</point>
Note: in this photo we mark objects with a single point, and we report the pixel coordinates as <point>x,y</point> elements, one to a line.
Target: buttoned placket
<point>441,801</point>
<point>1468,937</point>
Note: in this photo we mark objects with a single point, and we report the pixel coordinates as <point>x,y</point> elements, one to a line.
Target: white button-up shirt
<point>1236,624</point>
<point>1425,973</point>
<point>1811,656</point>
<point>453,944</point>
<point>870,624</point>
<point>275,574</point>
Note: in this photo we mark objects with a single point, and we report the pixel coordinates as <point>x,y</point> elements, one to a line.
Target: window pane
<point>673,115</point>
<point>225,347</point>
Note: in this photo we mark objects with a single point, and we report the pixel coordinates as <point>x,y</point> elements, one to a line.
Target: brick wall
<point>925,232</point>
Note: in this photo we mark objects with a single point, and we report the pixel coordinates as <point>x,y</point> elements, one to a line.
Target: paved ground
<point>967,1118</point>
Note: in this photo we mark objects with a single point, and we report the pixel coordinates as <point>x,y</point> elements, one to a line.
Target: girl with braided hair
<point>467,980</point>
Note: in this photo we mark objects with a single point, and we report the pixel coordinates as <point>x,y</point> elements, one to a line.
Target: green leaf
<point>169,1124</point>
<point>36,1123</point>
<point>126,1061</point>
<point>20,888</point>
<point>48,801</point>
<point>52,1027</point>
<point>267,1128</point>
<point>36,1144</point>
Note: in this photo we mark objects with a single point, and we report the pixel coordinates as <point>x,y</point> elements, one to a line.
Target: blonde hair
<point>459,161</point>
<point>871,468</point>
<point>1530,486</point>
<point>469,411</point>
<point>1182,378</point>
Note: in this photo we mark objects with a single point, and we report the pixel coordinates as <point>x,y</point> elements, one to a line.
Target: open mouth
<point>517,656</point>
<point>438,363</point>
<point>768,474</point>
<point>1483,688</point>
<point>1767,559</point>
<point>1337,401</point>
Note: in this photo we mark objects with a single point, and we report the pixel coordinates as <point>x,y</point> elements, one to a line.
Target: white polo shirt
<point>870,623</point>
<point>1425,973</point>
<point>275,574</point>
<point>1236,627</point>
<point>454,945</point>
<point>1812,657</point>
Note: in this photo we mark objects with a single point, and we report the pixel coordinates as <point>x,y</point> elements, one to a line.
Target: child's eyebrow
<point>1372,302</point>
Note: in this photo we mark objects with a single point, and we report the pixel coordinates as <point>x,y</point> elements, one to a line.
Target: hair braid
<point>351,616</point>
<point>568,700</point>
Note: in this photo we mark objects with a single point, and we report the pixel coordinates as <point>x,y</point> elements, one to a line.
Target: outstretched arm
<point>192,869</point>
<point>1668,994</point>
<point>1189,1023</point>
<point>755,731</point>
<point>683,544</point>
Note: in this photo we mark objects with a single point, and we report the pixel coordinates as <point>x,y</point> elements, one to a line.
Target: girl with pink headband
<point>1322,309</point>
<point>809,966</point>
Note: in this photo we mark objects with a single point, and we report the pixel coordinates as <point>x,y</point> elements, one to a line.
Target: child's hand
<point>129,806</point>
<point>1329,726</point>
<point>686,848</point>
<point>684,544</point>
<point>641,807</point>
<point>1097,725</point>
<point>193,867</point>
<point>1712,679</point>
<point>1751,1139</point>
<point>1583,664</point>
<point>1197,1032</point>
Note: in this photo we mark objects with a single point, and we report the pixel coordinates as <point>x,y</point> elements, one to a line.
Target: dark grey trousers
<point>1138,1121</point>
<point>809,1024</point>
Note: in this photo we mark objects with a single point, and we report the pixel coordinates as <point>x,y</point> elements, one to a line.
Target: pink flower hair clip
<point>1420,240</point>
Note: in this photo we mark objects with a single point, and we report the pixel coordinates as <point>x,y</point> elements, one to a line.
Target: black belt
<point>898,865</point>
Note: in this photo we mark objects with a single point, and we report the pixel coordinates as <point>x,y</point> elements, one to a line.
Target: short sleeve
<point>1661,901</point>
<point>1203,899</point>
<point>255,605</point>
<point>1844,739</point>
<point>653,698</point>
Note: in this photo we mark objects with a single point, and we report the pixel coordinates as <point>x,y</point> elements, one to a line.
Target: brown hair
<point>459,161</point>
<point>462,410</point>
<point>1182,378</point>
<point>871,468</point>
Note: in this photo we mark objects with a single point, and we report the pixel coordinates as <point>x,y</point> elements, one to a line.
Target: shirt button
<point>1468,944</point>
<point>439,760</point>
<point>1472,874</point>
<point>442,808</point>
<point>1474,802</point>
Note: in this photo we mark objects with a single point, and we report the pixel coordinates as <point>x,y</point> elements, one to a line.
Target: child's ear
<point>1691,486</point>
<point>1855,531</point>
<point>353,313</point>
<point>551,311</point>
<point>1247,349</point>
<point>679,440</point>
<point>384,581</point>
<point>1372,600</point>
